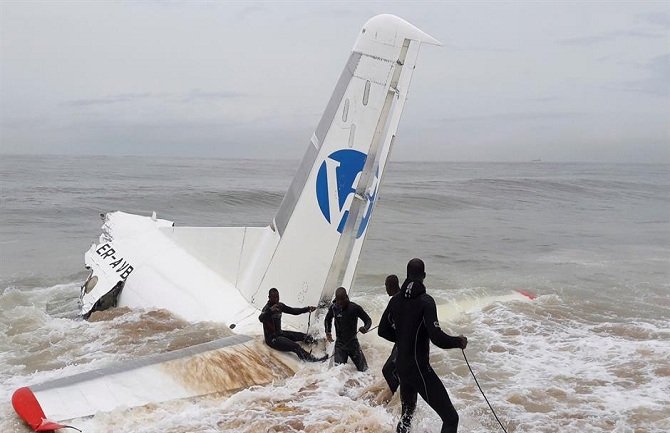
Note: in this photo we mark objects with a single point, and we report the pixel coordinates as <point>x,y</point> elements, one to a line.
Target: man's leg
<point>283,344</point>
<point>294,336</point>
<point>389,371</point>
<point>358,356</point>
<point>341,356</point>
<point>435,394</point>
<point>408,400</point>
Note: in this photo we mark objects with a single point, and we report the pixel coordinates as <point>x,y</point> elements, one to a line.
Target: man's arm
<point>367,321</point>
<point>328,323</point>
<point>386,326</point>
<point>437,336</point>
<point>294,311</point>
<point>265,313</point>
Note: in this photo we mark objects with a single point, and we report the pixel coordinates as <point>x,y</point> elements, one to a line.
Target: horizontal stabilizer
<point>451,310</point>
<point>225,250</point>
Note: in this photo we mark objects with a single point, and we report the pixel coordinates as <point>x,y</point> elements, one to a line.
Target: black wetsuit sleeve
<point>437,336</point>
<point>328,323</point>
<point>367,321</point>
<point>265,313</point>
<point>294,311</point>
<point>386,329</point>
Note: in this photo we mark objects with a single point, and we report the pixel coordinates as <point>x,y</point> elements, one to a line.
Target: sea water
<point>592,241</point>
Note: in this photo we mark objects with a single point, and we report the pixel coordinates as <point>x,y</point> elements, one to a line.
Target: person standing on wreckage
<point>285,341</point>
<point>410,321</point>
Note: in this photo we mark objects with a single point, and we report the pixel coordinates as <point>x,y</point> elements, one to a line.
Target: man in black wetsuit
<point>346,314</point>
<point>275,337</point>
<point>389,370</point>
<point>410,320</point>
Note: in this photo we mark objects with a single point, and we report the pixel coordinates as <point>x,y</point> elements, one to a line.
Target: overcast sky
<point>514,81</point>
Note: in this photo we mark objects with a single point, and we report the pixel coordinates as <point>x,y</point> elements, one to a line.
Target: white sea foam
<point>542,369</point>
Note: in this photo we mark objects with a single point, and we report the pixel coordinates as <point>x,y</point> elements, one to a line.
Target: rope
<point>309,323</point>
<point>480,390</point>
<point>233,325</point>
<point>356,334</point>
<point>352,339</point>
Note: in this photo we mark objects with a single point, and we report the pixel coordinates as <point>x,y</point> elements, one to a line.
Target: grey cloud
<point>586,40</point>
<point>658,80</point>
<point>31,122</point>
<point>514,117</point>
<point>110,99</point>
<point>479,49</point>
<point>251,79</point>
<point>250,11</point>
<point>192,96</point>
<point>659,19</point>
<point>544,99</point>
<point>609,36</point>
<point>200,95</point>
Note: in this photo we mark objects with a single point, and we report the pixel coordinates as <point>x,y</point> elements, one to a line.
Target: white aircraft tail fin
<point>323,218</point>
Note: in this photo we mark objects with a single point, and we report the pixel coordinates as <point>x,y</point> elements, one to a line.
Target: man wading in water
<point>410,320</point>
<point>389,370</point>
<point>346,314</point>
<point>284,341</point>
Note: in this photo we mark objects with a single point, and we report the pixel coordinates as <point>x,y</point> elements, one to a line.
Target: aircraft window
<point>366,93</point>
<point>345,110</point>
<point>90,284</point>
<point>352,133</point>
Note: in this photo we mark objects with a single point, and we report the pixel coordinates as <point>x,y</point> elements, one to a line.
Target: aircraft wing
<point>221,366</point>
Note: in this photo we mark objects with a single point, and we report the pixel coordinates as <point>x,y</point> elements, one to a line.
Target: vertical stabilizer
<point>323,219</point>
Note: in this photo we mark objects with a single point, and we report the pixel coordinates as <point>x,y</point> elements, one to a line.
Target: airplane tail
<point>314,241</point>
<point>323,218</point>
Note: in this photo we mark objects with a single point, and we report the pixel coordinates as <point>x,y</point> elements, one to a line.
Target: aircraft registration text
<point>121,266</point>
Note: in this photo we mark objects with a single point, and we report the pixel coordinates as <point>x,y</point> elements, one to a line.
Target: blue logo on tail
<point>335,187</point>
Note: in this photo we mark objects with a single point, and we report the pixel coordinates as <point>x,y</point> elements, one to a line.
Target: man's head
<point>341,297</point>
<point>273,296</point>
<point>392,284</point>
<point>416,270</point>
